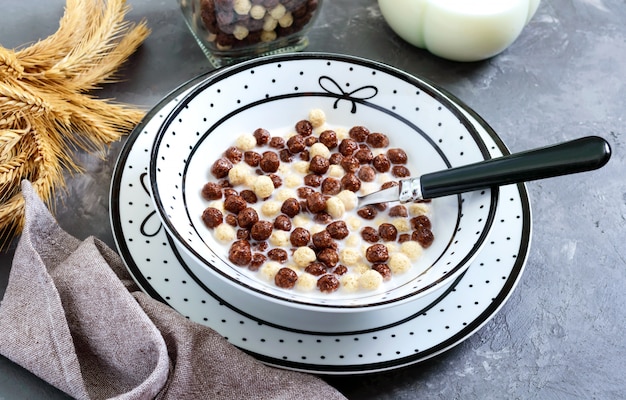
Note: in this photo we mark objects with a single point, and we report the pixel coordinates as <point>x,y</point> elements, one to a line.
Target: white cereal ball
<point>224,233</point>
<point>399,263</point>
<point>349,199</point>
<point>293,181</point>
<point>286,20</point>
<point>284,169</point>
<point>278,238</point>
<point>354,223</point>
<point>317,117</point>
<point>360,268</point>
<point>245,142</point>
<point>300,220</point>
<point>240,32</point>
<point>353,240</point>
<point>412,249</point>
<point>301,167</point>
<point>392,247</point>
<point>257,12</point>
<point>369,187</point>
<point>219,204</point>
<point>278,11</point>
<point>242,7</point>
<point>306,282</point>
<point>238,174</point>
<point>270,208</point>
<point>284,194</point>
<point>416,209</point>
<point>268,36</point>
<point>316,229</point>
<point>250,180</point>
<point>304,256</point>
<point>269,23</point>
<point>370,280</point>
<point>342,133</point>
<point>263,186</point>
<point>401,224</point>
<point>319,149</point>
<point>337,171</point>
<point>269,270</point>
<point>349,256</point>
<point>335,207</point>
<point>349,282</point>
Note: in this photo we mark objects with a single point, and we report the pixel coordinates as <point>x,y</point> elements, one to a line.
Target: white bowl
<point>276,92</point>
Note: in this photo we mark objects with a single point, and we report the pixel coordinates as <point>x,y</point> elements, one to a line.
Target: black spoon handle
<point>584,154</point>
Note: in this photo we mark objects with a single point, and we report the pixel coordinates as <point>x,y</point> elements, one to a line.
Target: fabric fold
<point>72,315</point>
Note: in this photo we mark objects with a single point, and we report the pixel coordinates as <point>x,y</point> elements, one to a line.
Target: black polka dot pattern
<point>473,300</point>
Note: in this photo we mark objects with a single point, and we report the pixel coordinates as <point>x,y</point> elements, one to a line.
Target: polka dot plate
<point>442,321</point>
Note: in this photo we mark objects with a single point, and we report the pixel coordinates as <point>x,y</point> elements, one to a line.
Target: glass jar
<point>232,30</point>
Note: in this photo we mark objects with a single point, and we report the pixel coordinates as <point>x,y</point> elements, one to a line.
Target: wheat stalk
<point>45,110</point>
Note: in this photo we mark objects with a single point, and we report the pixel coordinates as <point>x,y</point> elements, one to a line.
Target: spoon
<point>579,155</point>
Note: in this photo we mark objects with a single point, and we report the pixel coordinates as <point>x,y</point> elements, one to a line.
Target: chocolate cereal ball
<point>286,278</point>
<point>261,230</point>
<point>212,191</point>
<point>240,253</point>
<point>338,230</point>
<point>300,237</point>
<point>262,136</point>
<point>329,139</point>
<point>377,253</point>
<point>212,217</point>
<point>220,168</point>
<point>328,283</point>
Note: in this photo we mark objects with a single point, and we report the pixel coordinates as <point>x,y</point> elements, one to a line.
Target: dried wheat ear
<point>45,109</point>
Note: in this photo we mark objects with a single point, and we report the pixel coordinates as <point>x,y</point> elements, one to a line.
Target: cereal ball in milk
<point>336,171</point>
<point>263,186</point>
<point>350,282</point>
<point>349,256</point>
<point>304,256</point>
<point>349,199</point>
<point>399,263</point>
<point>317,117</point>
<point>306,282</point>
<point>271,208</point>
<point>224,233</point>
<point>412,249</point>
<point>418,209</point>
<point>401,224</point>
<point>319,149</point>
<point>279,238</point>
<point>269,270</point>
<point>238,174</point>
<point>301,167</point>
<point>335,207</point>
<point>246,142</point>
<point>370,280</point>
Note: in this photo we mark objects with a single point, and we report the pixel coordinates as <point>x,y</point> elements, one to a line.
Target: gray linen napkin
<point>72,316</point>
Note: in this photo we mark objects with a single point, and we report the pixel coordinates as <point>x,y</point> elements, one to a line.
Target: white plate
<point>445,321</point>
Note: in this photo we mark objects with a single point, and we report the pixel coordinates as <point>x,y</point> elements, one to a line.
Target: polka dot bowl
<point>274,93</point>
